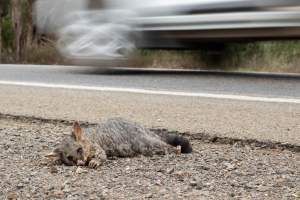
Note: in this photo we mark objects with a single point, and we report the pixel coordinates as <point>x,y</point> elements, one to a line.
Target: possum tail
<point>176,140</point>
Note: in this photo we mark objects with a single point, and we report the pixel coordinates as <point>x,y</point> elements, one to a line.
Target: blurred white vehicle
<point>112,29</point>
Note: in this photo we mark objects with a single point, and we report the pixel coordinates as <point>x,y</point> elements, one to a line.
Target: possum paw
<point>94,164</point>
<point>178,150</point>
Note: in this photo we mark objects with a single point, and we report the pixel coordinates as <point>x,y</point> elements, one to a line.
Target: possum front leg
<point>98,159</point>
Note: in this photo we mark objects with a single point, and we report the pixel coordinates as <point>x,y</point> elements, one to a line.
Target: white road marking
<point>154,92</point>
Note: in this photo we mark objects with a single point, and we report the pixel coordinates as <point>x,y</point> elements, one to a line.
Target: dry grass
<point>171,59</point>
<point>45,53</point>
<point>264,56</point>
<point>261,56</point>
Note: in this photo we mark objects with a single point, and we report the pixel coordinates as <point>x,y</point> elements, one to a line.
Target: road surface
<point>244,106</point>
<point>230,106</point>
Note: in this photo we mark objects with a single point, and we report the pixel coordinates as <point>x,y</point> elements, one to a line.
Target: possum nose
<point>80,162</point>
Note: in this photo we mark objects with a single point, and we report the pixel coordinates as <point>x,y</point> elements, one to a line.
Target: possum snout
<point>80,162</point>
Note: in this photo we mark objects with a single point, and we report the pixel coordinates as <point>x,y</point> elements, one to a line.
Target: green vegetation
<point>278,56</point>
<point>274,56</point>
<point>7,33</point>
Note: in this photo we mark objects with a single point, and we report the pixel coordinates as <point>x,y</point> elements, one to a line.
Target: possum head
<point>74,149</point>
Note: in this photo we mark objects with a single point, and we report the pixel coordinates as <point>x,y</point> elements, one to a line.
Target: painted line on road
<point>153,92</point>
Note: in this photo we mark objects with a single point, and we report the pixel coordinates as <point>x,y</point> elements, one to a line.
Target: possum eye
<point>70,158</point>
<point>79,150</point>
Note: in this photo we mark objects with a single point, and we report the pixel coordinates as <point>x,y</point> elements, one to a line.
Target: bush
<point>7,34</point>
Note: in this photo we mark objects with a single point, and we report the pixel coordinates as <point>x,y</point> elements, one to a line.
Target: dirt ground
<point>212,171</point>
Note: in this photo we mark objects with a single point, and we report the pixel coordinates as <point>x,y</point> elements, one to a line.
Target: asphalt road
<point>244,106</point>
<point>193,82</point>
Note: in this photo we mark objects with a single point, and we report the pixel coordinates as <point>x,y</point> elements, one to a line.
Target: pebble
<point>20,186</point>
<point>214,171</point>
<point>193,183</point>
<point>170,171</point>
<point>57,194</point>
<point>80,170</point>
<point>149,195</point>
<point>12,196</point>
<point>229,166</point>
<point>53,170</point>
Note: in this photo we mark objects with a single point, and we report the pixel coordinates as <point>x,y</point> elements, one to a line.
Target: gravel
<point>212,171</point>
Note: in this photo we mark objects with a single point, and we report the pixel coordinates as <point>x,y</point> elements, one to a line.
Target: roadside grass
<point>279,56</point>
<point>45,54</point>
<point>283,56</point>
<point>183,59</point>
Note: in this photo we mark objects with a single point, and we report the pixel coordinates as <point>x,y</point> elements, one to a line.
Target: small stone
<point>193,183</point>
<point>148,196</point>
<point>51,187</point>
<point>170,171</point>
<point>262,188</point>
<point>44,162</point>
<point>158,182</point>
<point>182,174</point>
<point>295,195</point>
<point>53,170</point>
<point>67,190</point>
<point>229,166</point>
<point>93,197</point>
<point>20,186</point>
<point>179,173</point>
<point>231,194</point>
<point>12,196</point>
<point>79,170</point>
<point>280,181</point>
<point>58,194</point>
<point>26,181</point>
<point>160,170</point>
<point>66,183</point>
<point>205,193</point>
<point>196,184</point>
<point>203,167</point>
<point>127,168</point>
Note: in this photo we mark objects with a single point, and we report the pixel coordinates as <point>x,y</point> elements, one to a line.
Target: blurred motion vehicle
<point>111,29</point>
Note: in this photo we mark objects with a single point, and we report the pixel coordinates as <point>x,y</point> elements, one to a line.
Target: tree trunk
<point>16,13</point>
<point>30,39</point>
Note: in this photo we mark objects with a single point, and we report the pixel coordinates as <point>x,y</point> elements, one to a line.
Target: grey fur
<point>116,137</point>
<point>122,138</point>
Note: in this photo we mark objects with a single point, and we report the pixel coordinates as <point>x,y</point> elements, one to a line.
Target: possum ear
<point>76,132</point>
